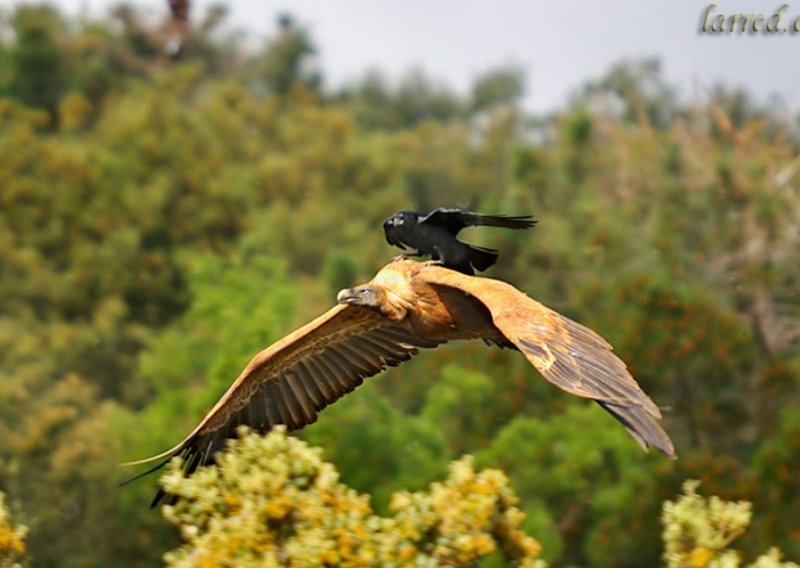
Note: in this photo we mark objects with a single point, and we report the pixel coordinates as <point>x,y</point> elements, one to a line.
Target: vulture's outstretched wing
<point>296,377</point>
<point>569,355</point>
<point>456,219</point>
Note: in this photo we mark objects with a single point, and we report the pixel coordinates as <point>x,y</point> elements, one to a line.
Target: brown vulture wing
<point>569,355</point>
<point>296,377</point>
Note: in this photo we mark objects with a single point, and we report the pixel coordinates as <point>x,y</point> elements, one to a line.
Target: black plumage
<point>434,234</point>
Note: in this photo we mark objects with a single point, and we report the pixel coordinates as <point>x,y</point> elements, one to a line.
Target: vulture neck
<point>393,286</point>
<point>428,310</point>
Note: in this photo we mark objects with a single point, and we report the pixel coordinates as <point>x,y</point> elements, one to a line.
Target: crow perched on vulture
<point>408,306</point>
<point>435,234</point>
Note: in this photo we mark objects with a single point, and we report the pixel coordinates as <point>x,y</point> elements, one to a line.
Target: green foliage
<point>465,405</point>
<point>632,90</point>
<point>61,466</point>
<point>241,303</point>
<point>272,501</point>
<point>674,333</point>
<point>698,532</point>
<point>37,68</point>
<point>284,64</point>
<point>776,462</point>
<point>416,99</point>
<point>503,86</point>
<point>365,428</point>
<point>570,467</point>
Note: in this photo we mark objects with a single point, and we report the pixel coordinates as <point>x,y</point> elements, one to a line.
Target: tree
<point>632,90</point>
<point>287,61</point>
<point>498,87</point>
<point>38,68</point>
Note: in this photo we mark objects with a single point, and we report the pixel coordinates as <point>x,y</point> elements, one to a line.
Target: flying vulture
<point>435,234</point>
<point>406,307</point>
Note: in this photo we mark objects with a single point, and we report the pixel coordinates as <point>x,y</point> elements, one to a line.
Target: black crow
<point>435,233</point>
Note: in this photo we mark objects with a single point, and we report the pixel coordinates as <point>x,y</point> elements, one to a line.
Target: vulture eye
<point>367,295</point>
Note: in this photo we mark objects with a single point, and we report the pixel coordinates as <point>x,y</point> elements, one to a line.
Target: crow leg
<point>406,255</point>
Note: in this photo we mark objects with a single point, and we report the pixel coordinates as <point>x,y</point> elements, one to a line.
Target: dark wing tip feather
<point>146,472</point>
<point>642,426</point>
<point>191,462</point>
<point>584,365</point>
<point>604,374</point>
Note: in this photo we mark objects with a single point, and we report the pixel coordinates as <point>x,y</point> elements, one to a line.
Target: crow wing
<point>453,220</point>
<point>291,381</point>
<point>569,355</point>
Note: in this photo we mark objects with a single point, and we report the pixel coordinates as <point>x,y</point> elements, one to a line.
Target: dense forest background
<point>162,219</point>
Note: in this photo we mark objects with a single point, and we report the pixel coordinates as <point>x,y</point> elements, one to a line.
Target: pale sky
<point>560,44</point>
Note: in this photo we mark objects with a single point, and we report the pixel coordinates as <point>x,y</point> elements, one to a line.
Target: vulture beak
<point>346,296</point>
<point>363,296</point>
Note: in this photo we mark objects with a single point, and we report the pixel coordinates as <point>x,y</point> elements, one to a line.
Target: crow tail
<point>505,221</point>
<point>481,258</point>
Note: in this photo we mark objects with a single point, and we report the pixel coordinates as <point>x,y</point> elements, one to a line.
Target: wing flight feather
<point>566,353</point>
<point>291,381</point>
<point>456,219</point>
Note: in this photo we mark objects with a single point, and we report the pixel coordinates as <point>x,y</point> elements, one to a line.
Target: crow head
<point>401,219</point>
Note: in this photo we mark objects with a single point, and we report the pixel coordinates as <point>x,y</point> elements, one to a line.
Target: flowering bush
<point>12,545</point>
<point>698,531</point>
<point>273,501</point>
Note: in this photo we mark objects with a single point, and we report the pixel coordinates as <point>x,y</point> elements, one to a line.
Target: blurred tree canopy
<point>163,219</point>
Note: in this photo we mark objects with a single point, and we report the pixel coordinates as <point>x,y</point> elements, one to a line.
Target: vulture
<point>406,307</point>
<point>434,234</point>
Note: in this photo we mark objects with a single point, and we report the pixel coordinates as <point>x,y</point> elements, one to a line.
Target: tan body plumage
<point>410,305</point>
